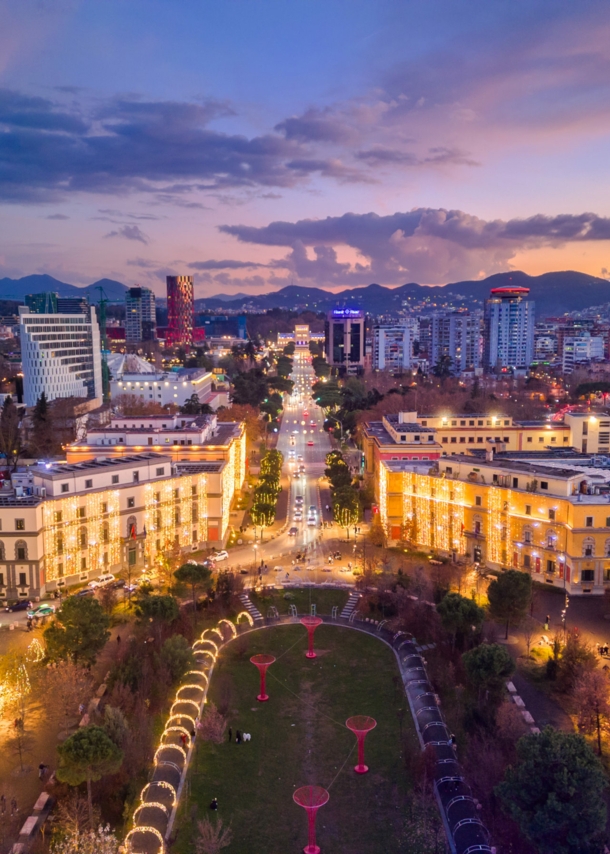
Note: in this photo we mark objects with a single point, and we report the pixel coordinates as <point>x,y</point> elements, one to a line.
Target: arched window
<point>21,550</point>
<point>588,547</point>
<point>132,528</point>
<point>105,533</point>
<point>528,537</point>
<point>59,544</point>
<point>551,539</point>
<point>83,539</point>
<point>2,551</point>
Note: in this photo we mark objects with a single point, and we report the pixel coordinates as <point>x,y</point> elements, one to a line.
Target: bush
<point>177,656</point>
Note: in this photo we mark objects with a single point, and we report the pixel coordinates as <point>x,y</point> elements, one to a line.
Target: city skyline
<point>255,146</point>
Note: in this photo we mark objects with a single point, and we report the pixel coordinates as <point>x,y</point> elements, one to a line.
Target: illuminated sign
<point>347,312</point>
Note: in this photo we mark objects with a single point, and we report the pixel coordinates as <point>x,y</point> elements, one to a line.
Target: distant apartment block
<point>140,316</point>
<point>392,347</point>
<point>344,340</point>
<point>458,336</point>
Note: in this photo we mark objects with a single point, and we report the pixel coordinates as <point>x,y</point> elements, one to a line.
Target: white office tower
<point>581,349</point>
<point>456,335</point>
<point>61,356</point>
<point>392,347</point>
<point>140,316</point>
<point>509,330</point>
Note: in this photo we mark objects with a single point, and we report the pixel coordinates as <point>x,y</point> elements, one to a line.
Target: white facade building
<point>392,347</point>
<point>456,335</point>
<point>509,330</point>
<point>168,387</point>
<point>61,356</point>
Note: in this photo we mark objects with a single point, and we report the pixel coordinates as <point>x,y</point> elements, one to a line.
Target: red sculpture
<point>360,725</point>
<point>311,798</point>
<point>262,661</point>
<point>311,624</point>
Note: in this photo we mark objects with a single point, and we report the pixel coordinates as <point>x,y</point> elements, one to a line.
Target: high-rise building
<point>456,335</point>
<point>581,349</point>
<point>344,340</point>
<point>509,330</point>
<point>180,306</point>
<point>392,347</point>
<point>140,316</point>
<point>49,302</point>
<point>61,355</point>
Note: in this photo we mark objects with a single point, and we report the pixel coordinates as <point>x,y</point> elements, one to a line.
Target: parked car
<point>293,532</point>
<point>221,555</point>
<point>116,585</point>
<point>101,581</point>
<point>42,611</point>
<point>86,591</point>
<point>22,605</point>
<point>310,443</point>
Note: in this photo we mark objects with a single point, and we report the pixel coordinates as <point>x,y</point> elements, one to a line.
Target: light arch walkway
<point>465,832</point>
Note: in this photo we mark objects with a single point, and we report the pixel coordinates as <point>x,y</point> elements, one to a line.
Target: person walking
<point>41,771</point>
<point>230,734</point>
<point>546,623</point>
<point>214,804</point>
<point>2,804</point>
<point>14,807</point>
<point>237,737</point>
<point>118,639</point>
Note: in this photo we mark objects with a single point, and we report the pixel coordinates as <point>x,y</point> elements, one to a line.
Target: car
<point>306,414</point>
<point>223,554</point>
<point>22,605</point>
<point>302,468</point>
<point>101,581</point>
<point>42,611</point>
<point>336,555</point>
<point>116,585</point>
<point>312,509</point>
<point>298,516</point>
<point>311,520</point>
<point>300,458</point>
<point>293,532</point>
<point>299,499</point>
<point>292,454</point>
<point>312,424</point>
<point>86,591</point>
<point>297,474</point>
<point>310,443</point>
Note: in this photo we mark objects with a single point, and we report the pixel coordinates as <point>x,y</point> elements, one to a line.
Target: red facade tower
<point>180,305</point>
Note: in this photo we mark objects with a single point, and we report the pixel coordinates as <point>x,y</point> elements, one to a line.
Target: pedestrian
<point>118,639</point>
<point>41,770</point>
<point>230,734</point>
<point>237,737</point>
<point>214,804</point>
<point>81,709</point>
<point>14,807</point>
<point>183,739</point>
<point>2,804</point>
<point>29,624</point>
<point>546,623</point>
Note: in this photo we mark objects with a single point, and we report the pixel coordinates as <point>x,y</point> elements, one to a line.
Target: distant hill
<point>554,293</point>
<point>17,289</point>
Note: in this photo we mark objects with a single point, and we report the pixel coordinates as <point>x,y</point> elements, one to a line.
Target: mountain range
<point>554,293</point>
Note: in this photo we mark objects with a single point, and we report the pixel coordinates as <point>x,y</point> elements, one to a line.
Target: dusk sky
<point>333,143</point>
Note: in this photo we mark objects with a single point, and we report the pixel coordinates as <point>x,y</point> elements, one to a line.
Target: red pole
<point>361,750</point>
<point>263,696</point>
<point>312,847</point>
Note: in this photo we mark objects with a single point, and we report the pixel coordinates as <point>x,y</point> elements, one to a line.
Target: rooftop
<point>201,468</point>
<point>58,470</point>
<point>407,426</point>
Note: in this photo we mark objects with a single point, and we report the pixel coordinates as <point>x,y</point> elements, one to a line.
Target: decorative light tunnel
<point>232,628</point>
<point>190,687</point>
<point>245,614</point>
<point>181,717</point>
<point>176,728</point>
<point>205,640</point>
<point>153,805</point>
<point>163,747</point>
<point>181,703</point>
<point>144,829</point>
<point>164,785</point>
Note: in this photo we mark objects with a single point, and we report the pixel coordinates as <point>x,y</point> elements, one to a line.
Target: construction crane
<point>103,302</point>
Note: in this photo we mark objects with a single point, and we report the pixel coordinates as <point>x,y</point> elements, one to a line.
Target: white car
<point>293,532</point>
<point>311,520</point>
<point>298,516</point>
<point>101,581</point>
<point>221,555</point>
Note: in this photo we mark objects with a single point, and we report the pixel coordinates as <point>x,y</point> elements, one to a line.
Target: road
<point>315,542</point>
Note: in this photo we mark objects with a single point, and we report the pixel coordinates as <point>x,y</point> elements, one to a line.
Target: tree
<point>487,667</point>
<point>213,837</point>
<point>11,446</point>
<point>327,395</point>
<point>509,597</point>
<point>443,368</point>
<point>79,631</point>
<point>321,367</point>
<point>193,406</point>
<point>461,617</point>
<point>42,438</point>
<point>576,657</point>
<point>243,412</point>
<point>86,756</point>
<point>158,609</point>
<point>593,703</point>
<point>555,793</point>
<point>196,575</point>
<point>213,724</point>
<point>228,584</point>
<point>134,405</point>
<point>346,507</point>
<point>66,685</point>
<point>177,656</point>
<point>115,725</point>
<point>100,841</point>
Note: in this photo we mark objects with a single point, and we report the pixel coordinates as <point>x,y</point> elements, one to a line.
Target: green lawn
<point>303,598</point>
<point>299,738</point>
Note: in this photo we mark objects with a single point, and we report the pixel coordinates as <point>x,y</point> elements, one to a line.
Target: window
<point>463,439</point>
<point>83,539</point>
<point>527,536</point>
<point>20,524</point>
<point>588,575</point>
<point>471,423</point>
<point>104,506</point>
<point>105,534</point>
<point>544,484</point>
<point>193,490</point>
<point>480,440</point>
<point>445,440</point>
<point>194,538</point>
<point>88,483</point>
<point>115,478</point>
<point>588,547</point>
<point>22,579</point>
<point>83,564</point>
<point>528,509</point>
<point>454,423</point>
<point>132,557</point>
<point>131,501</point>
<point>552,514</point>
<point>589,522</point>
<point>541,439</point>
<point>177,517</point>
<point>453,440</point>
<point>2,552</point>
<point>177,493</point>
<point>529,439</point>
<point>607,521</point>
<point>477,527</point>
<point>59,545</point>
<point>150,441</point>
<point>160,472</point>
<point>479,423</point>
<point>550,566</point>
<point>2,579</point>
<point>449,469</point>
<point>81,512</point>
<point>136,477</point>
<point>515,483</point>
<point>462,423</point>
<point>527,562</point>
<point>477,500</point>
<point>471,440</point>
<point>57,516</point>
<point>65,487</point>
<point>21,550</point>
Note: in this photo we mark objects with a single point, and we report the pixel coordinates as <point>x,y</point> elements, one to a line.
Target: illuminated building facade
<point>71,522</point>
<point>543,513</point>
<point>180,306</point>
<point>140,316</point>
<point>344,340</point>
<point>509,330</point>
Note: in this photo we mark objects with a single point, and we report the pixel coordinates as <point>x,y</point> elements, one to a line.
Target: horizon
<point>320,145</point>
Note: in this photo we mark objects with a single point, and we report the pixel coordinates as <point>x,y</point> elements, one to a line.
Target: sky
<point>255,144</point>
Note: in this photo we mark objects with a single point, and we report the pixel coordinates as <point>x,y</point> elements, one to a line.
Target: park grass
<point>299,738</point>
<point>303,597</point>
